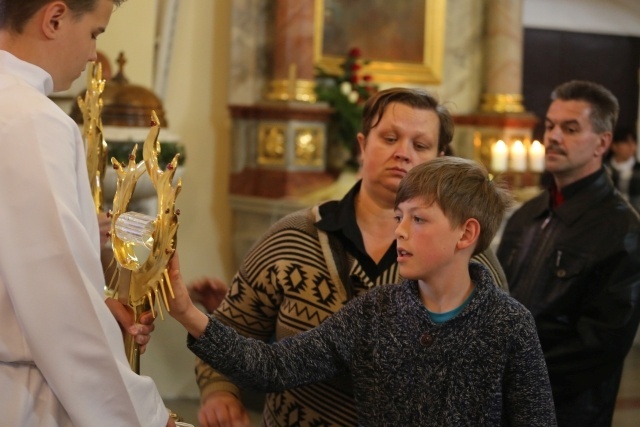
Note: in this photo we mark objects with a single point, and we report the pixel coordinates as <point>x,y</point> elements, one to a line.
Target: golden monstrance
<point>142,244</point>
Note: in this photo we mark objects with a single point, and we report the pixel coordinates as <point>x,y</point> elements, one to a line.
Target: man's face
<point>573,149</point>
<point>77,42</point>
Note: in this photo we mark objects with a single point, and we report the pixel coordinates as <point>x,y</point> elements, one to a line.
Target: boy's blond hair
<point>463,189</point>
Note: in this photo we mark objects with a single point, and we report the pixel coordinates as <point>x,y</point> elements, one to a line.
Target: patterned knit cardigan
<point>293,279</point>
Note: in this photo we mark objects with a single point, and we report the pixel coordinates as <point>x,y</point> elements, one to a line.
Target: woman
<point>310,263</point>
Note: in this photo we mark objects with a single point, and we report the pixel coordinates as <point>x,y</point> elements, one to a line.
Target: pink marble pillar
<point>293,74</point>
<point>503,56</point>
<point>501,116</point>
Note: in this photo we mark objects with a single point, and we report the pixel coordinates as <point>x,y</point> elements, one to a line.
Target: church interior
<point>234,82</point>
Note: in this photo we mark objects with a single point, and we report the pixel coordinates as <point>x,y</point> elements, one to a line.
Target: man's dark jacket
<point>634,183</point>
<point>576,267</point>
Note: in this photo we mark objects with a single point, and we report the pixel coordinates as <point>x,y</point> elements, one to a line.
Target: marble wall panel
<point>250,50</point>
<point>461,86</point>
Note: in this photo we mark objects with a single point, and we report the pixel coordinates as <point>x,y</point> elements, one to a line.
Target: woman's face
<point>404,138</point>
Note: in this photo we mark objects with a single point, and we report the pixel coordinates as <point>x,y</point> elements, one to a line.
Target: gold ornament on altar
<point>133,233</point>
<point>94,143</point>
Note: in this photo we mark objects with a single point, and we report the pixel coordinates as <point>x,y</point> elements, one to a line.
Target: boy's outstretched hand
<point>181,307</point>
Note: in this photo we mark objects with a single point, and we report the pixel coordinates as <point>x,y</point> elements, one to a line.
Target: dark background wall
<point>553,57</point>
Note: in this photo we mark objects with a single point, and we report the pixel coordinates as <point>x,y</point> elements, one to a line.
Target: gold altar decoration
<point>292,88</point>
<point>149,283</point>
<point>305,150</point>
<point>309,146</point>
<point>94,143</point>
<point>272,142</point>
<point>125,104</point>
<point>502,103</point>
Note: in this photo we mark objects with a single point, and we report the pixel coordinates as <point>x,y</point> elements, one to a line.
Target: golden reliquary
<point>142,244</point>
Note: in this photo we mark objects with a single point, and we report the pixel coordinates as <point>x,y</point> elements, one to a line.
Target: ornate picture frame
<point>403,44</point>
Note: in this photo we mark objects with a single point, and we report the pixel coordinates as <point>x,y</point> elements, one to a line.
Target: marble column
<point>503,57</point>
<point>293,74</point>
<point>280,142</point>
<point>501,120</point>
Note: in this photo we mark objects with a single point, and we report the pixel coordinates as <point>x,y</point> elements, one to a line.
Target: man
<point>62,360</point>
<point>571,256</point>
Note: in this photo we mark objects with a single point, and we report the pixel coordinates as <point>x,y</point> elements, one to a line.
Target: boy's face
<point>426,240</point>
<point>77,41</point>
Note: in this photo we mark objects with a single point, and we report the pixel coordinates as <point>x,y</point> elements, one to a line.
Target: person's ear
<point>470,233</point>
<point>604,140</point>
<point>362,141</point>
<point>53,15</point>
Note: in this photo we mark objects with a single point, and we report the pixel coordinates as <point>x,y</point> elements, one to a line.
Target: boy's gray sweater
<point>483,368</point>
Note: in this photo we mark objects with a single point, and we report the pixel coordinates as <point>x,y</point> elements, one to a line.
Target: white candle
<point>499,156</point>
<point>536,157</point>
<point>518,157</point>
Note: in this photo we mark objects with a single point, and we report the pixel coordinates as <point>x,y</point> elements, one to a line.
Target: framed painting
<point>402,40</point>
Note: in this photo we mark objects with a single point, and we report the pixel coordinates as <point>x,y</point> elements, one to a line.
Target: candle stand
<point>514,157</point>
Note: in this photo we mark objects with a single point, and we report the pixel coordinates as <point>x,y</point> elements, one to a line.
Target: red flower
<point>354,52</point>
<point>355,67</point>
<point>367,78</point>
<point>354,79</point>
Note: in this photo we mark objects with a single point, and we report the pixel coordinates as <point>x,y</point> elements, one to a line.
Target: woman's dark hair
<point>375,107</point>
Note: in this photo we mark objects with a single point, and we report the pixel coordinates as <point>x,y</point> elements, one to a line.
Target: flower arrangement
<point>346,93</point>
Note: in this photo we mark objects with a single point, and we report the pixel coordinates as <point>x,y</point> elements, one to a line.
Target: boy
<point>444,347</point>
